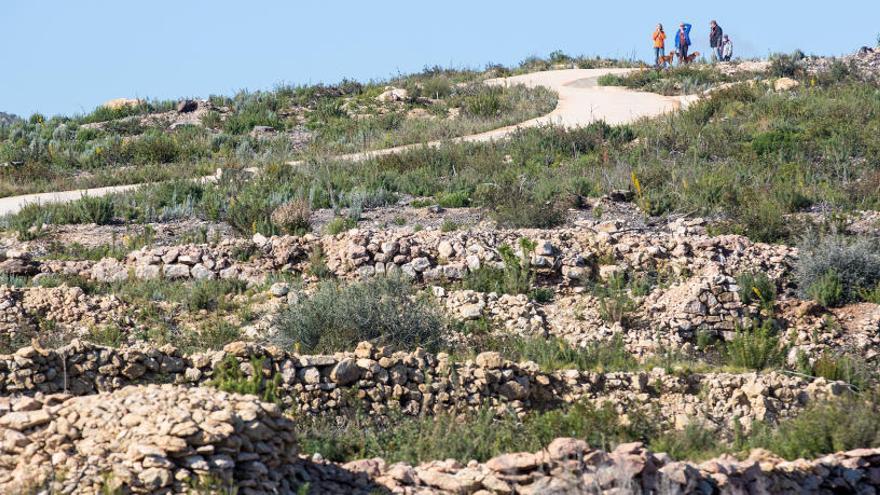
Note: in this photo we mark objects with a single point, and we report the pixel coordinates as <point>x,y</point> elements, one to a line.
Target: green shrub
<point>339,225</point>
<point>515,277</point>
<point>317,266</point>
<point>871,296</point>
<point>833,270</point>
<point>95,209</point>
<point>448,226</point>
<point>786,65</point>
<point>229,377</point>
<point>756,287</point>
<point>694,443</point>
<point>382,310</point>
<point>848,368</point>
<point>477,435</point>
<point>521,203</point>
<point>756,348</point>
<point>615,303</point>
<point>455,199</point>
<point>824,427</point>
<point>553,354</point>
<point>827,290</point>
<point>485,102</point>
<point>210,294</point>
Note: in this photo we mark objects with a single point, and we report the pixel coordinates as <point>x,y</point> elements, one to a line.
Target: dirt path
<point>581,102</point>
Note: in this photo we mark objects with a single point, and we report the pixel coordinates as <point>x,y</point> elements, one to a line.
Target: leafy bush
<point>757,348</point>
<point>515,277</point>
<point>382,310</point>
<point>519,203</point>
<point>455,199</point>
<point>615,303</point>
<point>339,225</point>
<point>229,377</point>
<point>851,369</point>
<point>293,217</point>
<point>824,427</point>
<point>786,65</point>
<point>827,290</point>
<point>834,270</point>
<point>95,209</point>
<point>210,294</point>
<point>756,287</point>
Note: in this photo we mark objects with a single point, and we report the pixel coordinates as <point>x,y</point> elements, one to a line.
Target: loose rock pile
<point>68,307</point>
<point>515,315</point>
<point>146,439</point>
<point>568,465</point>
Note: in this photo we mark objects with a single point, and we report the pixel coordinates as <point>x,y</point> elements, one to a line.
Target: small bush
<point>229,377</point>
<point>456,199</point>
<point>822,428</point>
<point>834,271</point>
<point>615,303</point>
<point>516,277</point>
<point>756,287</point>
<point>553,354</point>
<point>382,310</point>
<point>448,226</point>
<point>210,294</point>
<point>95,209</point>
<point>851,369</point>
<point>827,290</point>
<point>293,218</point>
<point>783,65</point>
<point>317,266</point>
<point>339,225</point>
<point>757,349</point>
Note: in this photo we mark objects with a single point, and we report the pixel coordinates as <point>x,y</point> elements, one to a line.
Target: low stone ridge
<point>570,466</point>
<point>568,256</point>
<point>145,439</point>
<point>417,382</point>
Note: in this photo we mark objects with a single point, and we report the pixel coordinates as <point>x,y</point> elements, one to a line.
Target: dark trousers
<point>683,53</point>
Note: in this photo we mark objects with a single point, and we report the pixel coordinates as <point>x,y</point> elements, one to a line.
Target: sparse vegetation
<point>834,270</point>
<point>381,310</point>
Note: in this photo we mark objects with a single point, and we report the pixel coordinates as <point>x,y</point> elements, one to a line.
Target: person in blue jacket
<point>683,42</point>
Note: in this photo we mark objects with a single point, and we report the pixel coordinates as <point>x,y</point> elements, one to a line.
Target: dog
<point>666,60</point>
<point>690,58</point>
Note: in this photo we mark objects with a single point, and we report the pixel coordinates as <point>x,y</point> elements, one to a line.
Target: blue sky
<point>67,56</point>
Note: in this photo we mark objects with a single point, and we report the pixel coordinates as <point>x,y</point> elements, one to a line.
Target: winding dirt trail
<point>581,102</point>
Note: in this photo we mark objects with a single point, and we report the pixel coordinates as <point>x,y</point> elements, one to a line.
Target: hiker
<point>726,49</point>
<point>683,42</point>
<point>716,40</point>
<point>659,46</point>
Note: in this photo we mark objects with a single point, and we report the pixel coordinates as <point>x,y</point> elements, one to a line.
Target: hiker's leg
<point>656,56</point>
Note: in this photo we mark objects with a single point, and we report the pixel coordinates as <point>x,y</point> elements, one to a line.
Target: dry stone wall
<point>379,381</point>
<point>567,255</point>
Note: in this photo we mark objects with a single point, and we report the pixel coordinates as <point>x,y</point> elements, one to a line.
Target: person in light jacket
<point>726,49</point>
<point>716,39</point>
<point>659,44</point>
<point>683,42</point>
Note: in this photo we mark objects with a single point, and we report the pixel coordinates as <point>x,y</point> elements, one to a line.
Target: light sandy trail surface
<point>581,102</point>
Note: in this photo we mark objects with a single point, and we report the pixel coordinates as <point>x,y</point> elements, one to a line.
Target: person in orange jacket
<point>659,45</point>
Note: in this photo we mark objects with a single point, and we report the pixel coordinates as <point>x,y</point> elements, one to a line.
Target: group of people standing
<point>722,47</point>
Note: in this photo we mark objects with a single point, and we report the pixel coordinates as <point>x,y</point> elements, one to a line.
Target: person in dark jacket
<point>716,40</point>
<point>683,42</point>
